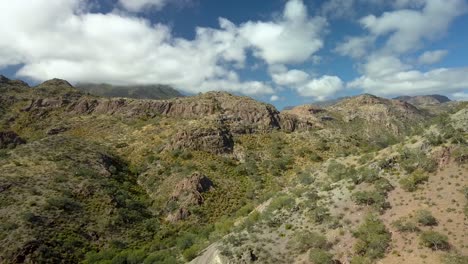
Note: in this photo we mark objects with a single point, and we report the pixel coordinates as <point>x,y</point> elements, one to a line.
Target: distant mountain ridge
<point>420,100</point>
<point>155,91</point>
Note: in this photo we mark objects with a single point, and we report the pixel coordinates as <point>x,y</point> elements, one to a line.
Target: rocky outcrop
<point>393,115</point>
<point>5,82</point>
<point>9,139</point>
<point>460,120</point>
<point>239,114</point>
<point>188,192</point>
<point>214,139</point>
<point>424,100</point>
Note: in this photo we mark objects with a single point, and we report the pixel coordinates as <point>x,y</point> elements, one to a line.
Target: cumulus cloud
<point>274,98</point>
<point>389,76</point>
<point>321,88</point>
<point>138,5</point>
<point>407,28</point>
<point>355,47</point>
<point>292,39</point>
<point>306,85</point>
<point>431,57</point>
<point>66,41</point>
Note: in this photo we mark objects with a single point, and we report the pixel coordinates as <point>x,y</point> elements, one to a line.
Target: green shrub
<point>405,226</point>
<point>337,171</point>
<point>374,198</point>
<point>411,182</point>
<point>460,154</point>
<point>320,256</point>
<point>282,201</point>
<point>304,240</point>
<point>373,238</point>
<point>320,214</point>
<point>425,218</point>
<point>434,240</point>
<point>63,203</point>
<point>411,160</point>
<point>361,260</point>
<point>454,258</point>
<point>383,185</point>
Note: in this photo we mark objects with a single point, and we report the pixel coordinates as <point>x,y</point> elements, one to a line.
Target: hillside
<point>423,100</point>
<point>157,91</point>
<point>219,178</point>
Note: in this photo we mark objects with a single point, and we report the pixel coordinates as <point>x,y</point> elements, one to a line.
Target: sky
<point>284,52</point>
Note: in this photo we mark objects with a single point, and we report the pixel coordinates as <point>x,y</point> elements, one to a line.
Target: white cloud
<point>305,84</point>
<point>292,39</point>
<point>289,78</point>
<point>274,98</point>
<point>408,28</point>
<point>355,47</point>
<point>431,57</point>
<point>461,96</point>
<point>65,41</point>
<point>138,5</point>
<point>321,88</point>
<point>389,76</point>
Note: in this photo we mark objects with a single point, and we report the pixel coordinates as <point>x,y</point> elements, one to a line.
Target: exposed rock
<point>460,120</point>
<point>424,100</point>
<point>395,115</point>
<point>9,139</point>
<point>56,82</point>
<point>186,193</point>
<point>4,81</point>
<point>212,139</point>
<point>443,157</point>
<point>57,130</point>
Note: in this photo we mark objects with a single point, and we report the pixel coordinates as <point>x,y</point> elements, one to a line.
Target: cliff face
<point>240,114</point>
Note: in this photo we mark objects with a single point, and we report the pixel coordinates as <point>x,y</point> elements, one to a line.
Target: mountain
<point>219,178</point>
<point>424,100</point>
<point>156,91</point>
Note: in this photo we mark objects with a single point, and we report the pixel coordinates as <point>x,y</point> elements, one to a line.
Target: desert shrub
<point>320,256</point>
<point>337,171</point>
<point>366,175</point>
<point>454,258</point>
<point>304,240</point>
<point>383,185</point>
<point>434,240</point>
<point>305,178</point>
<point>62,203</point>
<point>460,154</point>
<point>374,198</point>
<point>373,238</point>
<point>435,140</point>
<point>282,201</point>
<point>425,218</point>
<point>403,225</point>
<point>320,214</point>
<point>361,260</point>
<point>191,252</point>
<point>411,182</point>
<point>411,160</point>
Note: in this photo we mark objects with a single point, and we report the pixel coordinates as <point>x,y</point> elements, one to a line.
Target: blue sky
<point>282,52</point>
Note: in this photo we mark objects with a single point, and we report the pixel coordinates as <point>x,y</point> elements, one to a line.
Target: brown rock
<point>10,139</point>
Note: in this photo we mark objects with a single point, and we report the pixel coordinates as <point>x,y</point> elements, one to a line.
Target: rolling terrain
<point>219,178</point>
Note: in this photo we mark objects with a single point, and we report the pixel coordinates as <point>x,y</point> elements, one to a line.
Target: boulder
<point>9,139</point>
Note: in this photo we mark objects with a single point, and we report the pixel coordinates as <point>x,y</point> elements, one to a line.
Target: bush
<point>454,258</point>
<point>460,154</point>
<point>411,182</point>
<point>425,218</point>
<point>337,171</point>
<point>320,256</point>
<point>361,260</point>
<point>304,240</point>
<point>434,240</point>
<point>373,238</point>
<point>320,214</point>
<point>374,198</point>
<point>63,203</point>
<point>411,160</point>
<point>405,226</point>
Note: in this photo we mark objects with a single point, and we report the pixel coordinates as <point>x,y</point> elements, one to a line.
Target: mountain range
<point>104,174</point>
